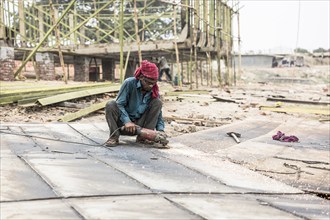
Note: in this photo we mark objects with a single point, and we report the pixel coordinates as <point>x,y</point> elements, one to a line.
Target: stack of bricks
<point>7,63</point>
<point>46,66</point>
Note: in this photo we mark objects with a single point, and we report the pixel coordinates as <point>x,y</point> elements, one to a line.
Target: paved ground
<point>61,171</point>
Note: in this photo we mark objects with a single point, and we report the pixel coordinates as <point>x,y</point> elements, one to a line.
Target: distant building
<point>255,60</point>
<point>268,61</point>
<point>322,55</point>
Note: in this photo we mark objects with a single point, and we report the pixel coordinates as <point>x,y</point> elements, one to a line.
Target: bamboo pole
<point>190,68</point>
<point>58,42</point>
<point>196,21</point>
<point>97,16</point>
<point>21,21</point>
<point>43,40</point>
<point>206,29</point>
<point>226,25</point>
<point>143,20</point>
<point>2,21</point>
<point>218,39</point>
<point>127,59</point>
<point>239,47</point>
<point>121,40</point>
<point>176,48</point>
<point>137,32</point>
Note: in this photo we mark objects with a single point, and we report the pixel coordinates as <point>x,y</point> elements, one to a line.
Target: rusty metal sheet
<point>304,164</point>
<point>75,176</point>
<point>229,207</point>
<point>215,139</point>
<point>130,207</point>
<point>18,180</point>
<point>231,174</point>
<point>304,206</point>
<point>91,131</point>
<point>159,173</point>
<point>44,209</point>
<point>58,138</point>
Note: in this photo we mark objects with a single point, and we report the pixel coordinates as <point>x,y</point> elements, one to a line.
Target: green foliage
<point>301,50</point>
<point>321,50</point>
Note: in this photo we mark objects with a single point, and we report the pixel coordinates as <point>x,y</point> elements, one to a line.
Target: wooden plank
<point>13,96</point>
<point>298,101</point>
<point>83,112</point>
<point>297,109</point>
<point>187,92</point>
<point>7,91</point>
<point>75,95</point>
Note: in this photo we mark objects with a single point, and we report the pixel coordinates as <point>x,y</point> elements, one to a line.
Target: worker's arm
<point>122,100</point>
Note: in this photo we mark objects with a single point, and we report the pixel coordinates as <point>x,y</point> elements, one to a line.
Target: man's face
<point>147,83</point>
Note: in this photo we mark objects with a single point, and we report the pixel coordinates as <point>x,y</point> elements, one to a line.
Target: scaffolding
<point>195,32</point>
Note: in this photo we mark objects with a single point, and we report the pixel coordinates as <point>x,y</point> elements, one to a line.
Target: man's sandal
<point>112,142</point>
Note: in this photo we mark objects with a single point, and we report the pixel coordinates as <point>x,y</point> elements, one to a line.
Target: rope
<point>59,140</point>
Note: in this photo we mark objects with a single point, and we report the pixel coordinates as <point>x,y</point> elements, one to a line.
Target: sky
<point>272,25</point>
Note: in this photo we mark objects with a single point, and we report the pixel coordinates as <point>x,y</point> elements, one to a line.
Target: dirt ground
<point>186,113</point>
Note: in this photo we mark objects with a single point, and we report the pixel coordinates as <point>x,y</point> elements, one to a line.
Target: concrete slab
<point>130,207</point>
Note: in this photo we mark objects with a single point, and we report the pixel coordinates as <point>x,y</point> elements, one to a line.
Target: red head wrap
<point>148,70</point>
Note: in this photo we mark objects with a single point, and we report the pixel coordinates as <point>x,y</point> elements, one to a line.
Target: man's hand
<point>130,127</point>
<point>163,134</point>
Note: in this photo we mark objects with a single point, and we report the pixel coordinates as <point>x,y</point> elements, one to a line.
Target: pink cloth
<point>281,137</point>
<point>149,70</point>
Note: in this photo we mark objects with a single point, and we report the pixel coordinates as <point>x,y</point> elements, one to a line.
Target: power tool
<point>151,135</point>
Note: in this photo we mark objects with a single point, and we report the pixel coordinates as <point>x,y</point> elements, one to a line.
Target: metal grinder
<point>151,135</point>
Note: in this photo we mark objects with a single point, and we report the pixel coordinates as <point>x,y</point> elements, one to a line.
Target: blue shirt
<point>132,104</point>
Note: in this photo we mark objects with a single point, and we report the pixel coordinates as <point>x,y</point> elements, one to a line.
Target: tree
<point>320,50</point>
<point>301,50</point>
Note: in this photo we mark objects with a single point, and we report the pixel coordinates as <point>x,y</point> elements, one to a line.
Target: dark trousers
<point>148,119</point>
<point>167,72</point>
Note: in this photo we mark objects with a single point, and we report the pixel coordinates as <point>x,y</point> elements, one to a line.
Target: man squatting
<point>137,104</point>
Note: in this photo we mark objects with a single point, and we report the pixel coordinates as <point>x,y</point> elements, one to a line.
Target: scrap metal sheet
<point>44,209</point>
<point>159,173</point>
<point>19,181</point>
<point>229,173</point>
<point>229,207</point>
<point>215,139</point>
<point>130,207</point>
<point>72,176</point>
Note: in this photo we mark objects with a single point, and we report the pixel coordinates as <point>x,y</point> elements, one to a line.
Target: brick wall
<point>81,69</point>
<point>7,63</point>
<point>45,66</point>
